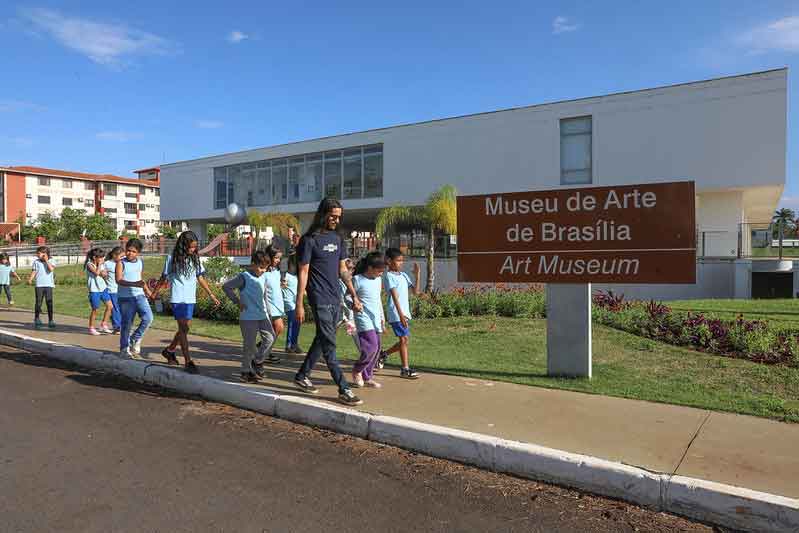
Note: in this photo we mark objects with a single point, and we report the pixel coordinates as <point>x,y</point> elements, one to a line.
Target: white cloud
<point>563,25</point>
<point>104,43</point>
<point>780,35</point>
<point>118,136</point>
<point>237,36</point>
<point>208,124</point>
<point>11,106</point>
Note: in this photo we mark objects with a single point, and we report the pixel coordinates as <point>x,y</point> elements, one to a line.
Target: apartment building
<point>131,204</point>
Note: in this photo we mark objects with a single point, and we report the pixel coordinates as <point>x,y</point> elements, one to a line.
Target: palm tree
<point>437,215</point>
<point>784,217</point>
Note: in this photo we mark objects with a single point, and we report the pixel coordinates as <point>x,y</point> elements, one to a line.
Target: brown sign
<point>624,234</point>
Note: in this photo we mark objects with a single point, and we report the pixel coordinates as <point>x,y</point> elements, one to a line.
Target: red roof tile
<point>80,175</point>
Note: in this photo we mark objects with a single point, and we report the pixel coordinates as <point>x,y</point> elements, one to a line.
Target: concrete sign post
<point>570,238</point>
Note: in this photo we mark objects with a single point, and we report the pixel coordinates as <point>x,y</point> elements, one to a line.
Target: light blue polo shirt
<point>402,282</point>
<point>368,291</point>
<point>131,272</point>
<point>290,292</point>
<point>111,268</point>
<point>44,277</point>
<point>251,294</point>
<point>183,287</point>
<point>94,282</point>
<point>5,274</point>
<point>275,293</point>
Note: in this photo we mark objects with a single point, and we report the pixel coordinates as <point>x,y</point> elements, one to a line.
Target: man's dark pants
<point>326,318</point>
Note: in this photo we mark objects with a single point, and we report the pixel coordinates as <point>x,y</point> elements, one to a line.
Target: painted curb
<point>731,506</point>
<point>323,415</point>
<point>708,501</point>
<point>438,441</point>
<point>584,472</point>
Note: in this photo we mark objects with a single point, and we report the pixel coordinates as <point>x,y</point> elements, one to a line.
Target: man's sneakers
<point>250,377</point>
<point>258,369</point>
<point>347,397</point>
<point>305,385</point>
<point>170,356</point>
<point>124,353</point>
<point>408,373</point>
<point>381,360</point>
<point>135,348</point>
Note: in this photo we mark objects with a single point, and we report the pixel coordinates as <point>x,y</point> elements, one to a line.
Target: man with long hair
<point>322,255</point>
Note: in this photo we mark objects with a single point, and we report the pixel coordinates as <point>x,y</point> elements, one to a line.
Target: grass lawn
<point>781,312</point>
<point>514,350</point>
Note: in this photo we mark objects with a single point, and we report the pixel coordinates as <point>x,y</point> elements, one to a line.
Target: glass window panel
<point>374,149</point>
<point>262,164</point>
<point>569,126</point>
<point>572,177</point>
<point>296,177</point>
<point>248,166</point>
<point>247,188</point>
<point>279,182</point>
<point>313,157</point>
<point>575,152</point>
<point>373,176</point>
<point>312,184</point>
<point>263,187</point>
<point>332,177</point>
<point>352,174</point>
<point>233,183</point>
<point>220,192</point>
<point>220,172</point>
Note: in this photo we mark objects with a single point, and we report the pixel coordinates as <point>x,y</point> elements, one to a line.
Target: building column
<point>200,228</point>
<point>742,281</point>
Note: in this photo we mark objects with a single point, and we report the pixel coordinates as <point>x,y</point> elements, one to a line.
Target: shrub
<point>220,269</point>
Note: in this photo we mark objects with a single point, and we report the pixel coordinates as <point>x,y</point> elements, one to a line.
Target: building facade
<point>130,204</point>
<point>727,134</point>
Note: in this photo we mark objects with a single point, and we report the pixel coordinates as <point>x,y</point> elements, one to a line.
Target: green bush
<point>218,269</point>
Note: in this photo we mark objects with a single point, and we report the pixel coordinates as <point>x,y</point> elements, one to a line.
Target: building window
<point>110,189</point>
<point>44,182</point>
<point>157,192</point>
<point>142,190</point>
<point>575,151</point>
<point>131,195</point>
<point>66,202</point>
<point>130,209</point>
<point>142,207</point>
<point>89,203</point>
<point>89,185</point>
<point>67,184</point>
<point>43,199</point>
<point>112,210</point>
<point>349,173</point>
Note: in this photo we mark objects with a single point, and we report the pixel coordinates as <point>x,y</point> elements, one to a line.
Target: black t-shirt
<point>323,252</point>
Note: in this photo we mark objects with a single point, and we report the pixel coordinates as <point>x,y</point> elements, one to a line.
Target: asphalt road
<point>90,452</point>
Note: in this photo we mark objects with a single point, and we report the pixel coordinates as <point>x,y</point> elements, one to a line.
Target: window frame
<point>590,135</point>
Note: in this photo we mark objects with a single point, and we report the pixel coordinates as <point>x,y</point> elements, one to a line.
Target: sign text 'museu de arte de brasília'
<point>625,234</point>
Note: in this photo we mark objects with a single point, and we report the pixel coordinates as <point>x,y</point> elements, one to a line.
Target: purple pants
<point>370,348</point>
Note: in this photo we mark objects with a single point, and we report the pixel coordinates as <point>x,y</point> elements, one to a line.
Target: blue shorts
<point>183,311</point>
<point>96,298</point>
<point>400,330</point>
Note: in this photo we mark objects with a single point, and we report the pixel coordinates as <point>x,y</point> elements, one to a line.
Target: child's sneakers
<point>357,380</point>
<point>51,325</point>
<point>250,377</point>
<point>407,373</point>
<point>171,358</point>
<point>38,324</point>
<point>104,328</point>
<point>347,397</point>
<point>305,385</point>
<point>93,331</point>
<point>191,368</point>
<point>258,369</point>
<point>124,353</point>
<point>11,302</point>
<point>373,384</point>
<point>381,360</point>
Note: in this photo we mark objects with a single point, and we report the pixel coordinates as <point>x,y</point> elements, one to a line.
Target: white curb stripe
<point>695,498</point>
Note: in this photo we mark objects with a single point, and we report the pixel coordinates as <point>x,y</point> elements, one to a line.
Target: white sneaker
<point>124,353</point>
<point>357,381</point>
<point>93,331</point>
<point>105,329</point>
<point>135,348</point>
<point>373,384</point>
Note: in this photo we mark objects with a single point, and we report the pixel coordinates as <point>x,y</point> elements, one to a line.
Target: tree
<point>48,226</point>
<point>99,228</point>
<point>171,233</point>
<point>27,230</point>
<point>784,217</point>
<point>437,215</point>
<point>215,230</point>
<point>279,222</point>
<point>72,222</point>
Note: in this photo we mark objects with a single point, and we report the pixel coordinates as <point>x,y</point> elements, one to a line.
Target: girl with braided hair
<point>183,271</point>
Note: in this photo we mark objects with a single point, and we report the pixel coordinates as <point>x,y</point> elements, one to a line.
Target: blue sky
<point>111,86</point>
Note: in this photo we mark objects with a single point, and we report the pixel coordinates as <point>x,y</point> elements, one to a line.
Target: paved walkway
<point>733,449</point>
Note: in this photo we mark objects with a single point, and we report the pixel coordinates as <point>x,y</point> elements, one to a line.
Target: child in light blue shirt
<point>6,273</point>
<point>370,320</point>
<point>398,285</point>
<point>274,295</point>
<point>289,287</point>
<point>96,276</point>
<point>113,257</point>
<point>254,318</point>
<point>42,271</point>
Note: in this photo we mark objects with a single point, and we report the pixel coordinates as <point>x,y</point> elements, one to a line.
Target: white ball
<point>235,214</point>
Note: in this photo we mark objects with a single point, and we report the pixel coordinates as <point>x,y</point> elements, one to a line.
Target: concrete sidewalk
<point>732,449</point>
